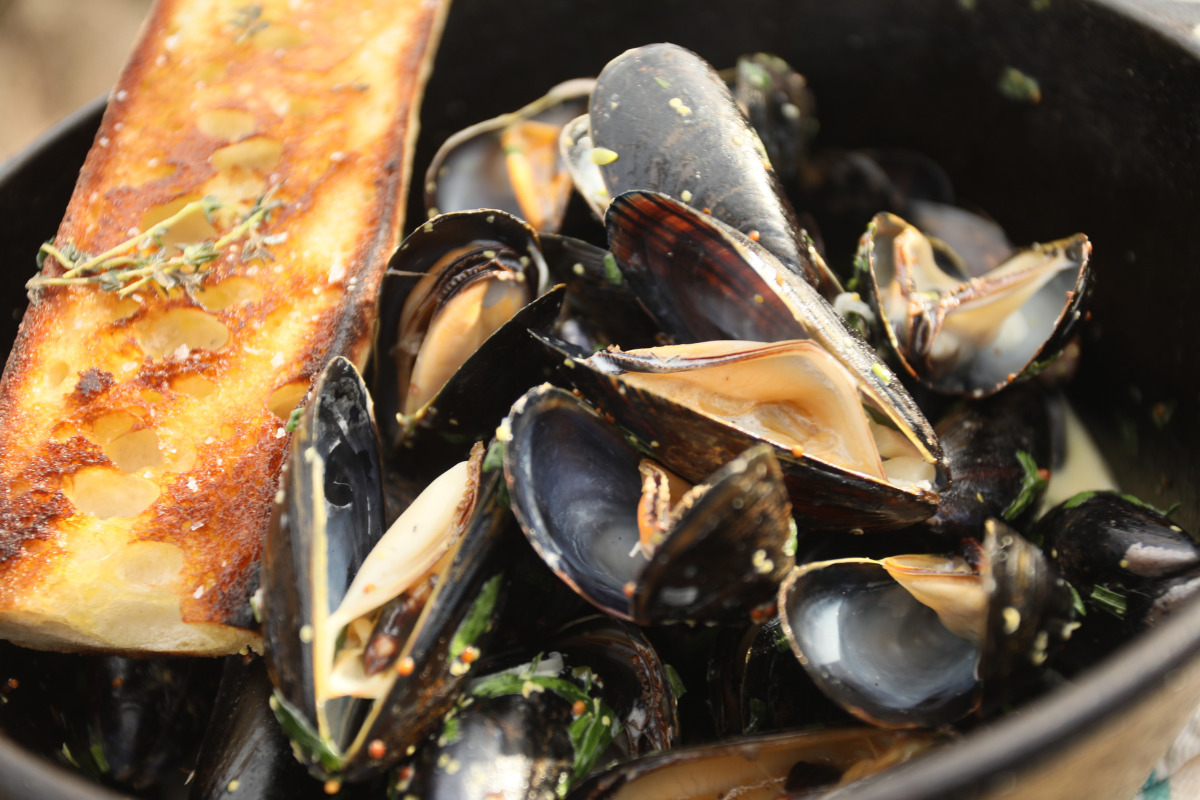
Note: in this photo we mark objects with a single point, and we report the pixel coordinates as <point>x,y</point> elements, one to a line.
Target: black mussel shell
<point>774,765</point>
<point>756,685</point>
<point>996,448</point>
<point>1031,613</point>
<point>329,517</point>
<point>245,753</point>
<point>596,693</point>
<point>874,649</point>
<point>1116,541</point>
<point>575,489</point>
<point>868,633</point>
<point>844,189</point>
<point>507,747</point>
<point>510,162</point>
<point>1129,563</point>
<point>635,682</point>
<point>964,335</point>
<point>704,281</point>
<point>440,259</point>
<point>693,442</point>
<point>673,127</point>
<point>600,304</point>
<point>779,106</point>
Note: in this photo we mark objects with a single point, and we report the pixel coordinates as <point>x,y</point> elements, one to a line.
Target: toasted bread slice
<point>143,419</point>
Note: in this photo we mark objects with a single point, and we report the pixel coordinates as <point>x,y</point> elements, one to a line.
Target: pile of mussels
<point>661,512</point>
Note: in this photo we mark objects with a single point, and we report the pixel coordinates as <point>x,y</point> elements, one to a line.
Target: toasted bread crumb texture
<point>142,436</point>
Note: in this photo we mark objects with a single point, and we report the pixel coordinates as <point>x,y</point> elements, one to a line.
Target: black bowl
<point>1111,149</point>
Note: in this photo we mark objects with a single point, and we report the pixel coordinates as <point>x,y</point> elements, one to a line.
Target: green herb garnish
<point>1110,601</point>
<point>303,735</point>
<point>143,258</point>
<point>478,618</point>
<point>1033,483</point>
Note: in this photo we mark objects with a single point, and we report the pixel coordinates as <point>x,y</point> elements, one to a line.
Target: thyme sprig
<point>144,258</point>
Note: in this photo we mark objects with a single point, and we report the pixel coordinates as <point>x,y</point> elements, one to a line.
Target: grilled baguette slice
<point>141,435</point>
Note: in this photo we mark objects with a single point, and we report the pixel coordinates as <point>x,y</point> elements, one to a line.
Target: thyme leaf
<point>144,259</point>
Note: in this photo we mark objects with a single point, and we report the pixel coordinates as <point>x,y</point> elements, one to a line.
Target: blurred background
<point>55,55</point>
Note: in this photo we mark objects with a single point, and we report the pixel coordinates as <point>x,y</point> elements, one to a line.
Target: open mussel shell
<point>453,632</point>
<point>966,335</point>
<point>703,280</point>
<point>835,475</point>
<point>792,764</point>
<point>874,649</point>
<point>661,119</point>
<point>452,351</point>
<point>510,162</point>
<point>575,487</point>
<point>921,641</point>
<point>328,516</point>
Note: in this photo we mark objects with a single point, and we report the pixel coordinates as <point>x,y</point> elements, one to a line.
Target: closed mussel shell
<point>756,684</point>
<point>662,119</point>
<point>995,447</point>
<point>245,753</point>
<point>1126,559</point>
<point>596,693</point>
<point>1111,539</point>
<point>575,487</point>
<point>779,106</point>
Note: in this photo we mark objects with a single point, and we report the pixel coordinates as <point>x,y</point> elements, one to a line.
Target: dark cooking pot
<point>1112,149</point>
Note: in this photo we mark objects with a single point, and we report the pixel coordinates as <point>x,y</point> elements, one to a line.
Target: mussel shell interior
<point>575,488</point>
<point>877,651</point>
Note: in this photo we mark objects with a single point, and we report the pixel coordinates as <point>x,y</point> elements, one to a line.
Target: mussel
<point>599,514</point>
<point>698,406</point>
<point>923,640</point>
<point>511,162</point>
<point>661,119</point>
<point>452,350</point>
<point>322,580</point>
<point>967,335</point>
